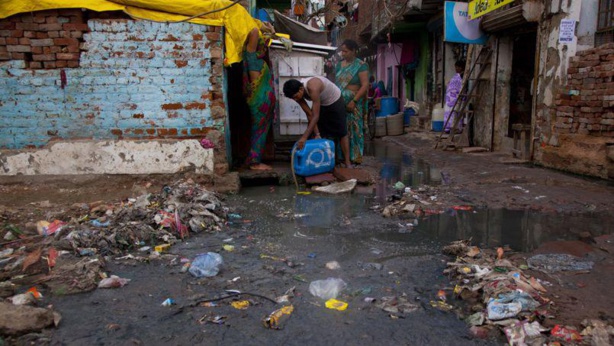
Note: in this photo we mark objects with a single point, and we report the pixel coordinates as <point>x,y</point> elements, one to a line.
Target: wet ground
<point>309,231</point>
<point>284,240</point>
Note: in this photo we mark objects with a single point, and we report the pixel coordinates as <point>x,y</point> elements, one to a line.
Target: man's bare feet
<point>260,167</point>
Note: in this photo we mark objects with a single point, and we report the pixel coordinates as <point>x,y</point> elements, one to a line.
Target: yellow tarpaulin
<point>235,19</point>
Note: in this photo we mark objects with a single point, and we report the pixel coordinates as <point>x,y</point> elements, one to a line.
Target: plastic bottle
<point>206,265</point>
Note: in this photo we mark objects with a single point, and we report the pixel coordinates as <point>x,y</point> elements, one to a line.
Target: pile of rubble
<point>500,296</point>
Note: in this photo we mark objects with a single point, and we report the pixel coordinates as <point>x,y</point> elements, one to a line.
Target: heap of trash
<point>67,253</point>
<point>500,296</point>
<point>151,221</point>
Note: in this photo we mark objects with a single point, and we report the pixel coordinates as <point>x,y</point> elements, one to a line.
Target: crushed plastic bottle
<point>206,265</point>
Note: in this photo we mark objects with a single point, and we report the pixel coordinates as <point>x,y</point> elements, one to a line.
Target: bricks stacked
<point>586,104</point>
<point>44,39</point>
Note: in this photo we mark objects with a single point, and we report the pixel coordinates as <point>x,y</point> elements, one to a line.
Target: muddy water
<point>376,261</point>
<point>378,258</point>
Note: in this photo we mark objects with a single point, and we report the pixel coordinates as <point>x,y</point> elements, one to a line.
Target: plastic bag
<point>327,289</point>
<point>113,282</point>
<point>206,265</point>
<point>500,311</point>
<point>526,301</point>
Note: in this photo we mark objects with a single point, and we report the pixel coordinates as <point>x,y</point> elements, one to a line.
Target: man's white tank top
<point>330,94</point>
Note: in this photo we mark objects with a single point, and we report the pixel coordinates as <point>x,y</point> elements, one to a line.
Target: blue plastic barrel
<point>407,113</point>
<point>388,105</point>
<point>317,157</point>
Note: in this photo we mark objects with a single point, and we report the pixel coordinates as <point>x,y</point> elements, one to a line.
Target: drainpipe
<point>494,97</point>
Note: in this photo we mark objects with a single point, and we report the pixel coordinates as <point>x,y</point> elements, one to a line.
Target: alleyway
<point>283,240</point>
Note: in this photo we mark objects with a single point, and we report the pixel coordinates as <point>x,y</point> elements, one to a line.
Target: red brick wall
<point>45,39</point>
<point>586,105</point>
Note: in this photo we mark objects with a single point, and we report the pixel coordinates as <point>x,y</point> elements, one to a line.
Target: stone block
<point>344,174</point>
<point>320,178</point>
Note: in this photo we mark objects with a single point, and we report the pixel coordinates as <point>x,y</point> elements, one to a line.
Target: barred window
<point>605,23</point>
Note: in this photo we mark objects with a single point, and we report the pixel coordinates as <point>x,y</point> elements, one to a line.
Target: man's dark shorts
<point>333,120</point>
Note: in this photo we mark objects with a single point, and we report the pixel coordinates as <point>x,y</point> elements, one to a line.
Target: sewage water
<point>350,221</point>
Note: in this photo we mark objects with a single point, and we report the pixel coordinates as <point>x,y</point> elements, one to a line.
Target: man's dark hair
<point>350,44</point>
<point>291,87</point>
<point>460,63</point>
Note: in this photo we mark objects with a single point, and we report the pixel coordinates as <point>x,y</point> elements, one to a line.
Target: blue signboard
<point>457,26</point>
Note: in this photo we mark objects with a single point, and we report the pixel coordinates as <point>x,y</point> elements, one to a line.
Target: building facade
<point>555,90</point>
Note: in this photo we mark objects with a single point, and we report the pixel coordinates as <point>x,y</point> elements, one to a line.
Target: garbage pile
<point>149,223</point>
<point>501,296</point>
<point>68,254</point>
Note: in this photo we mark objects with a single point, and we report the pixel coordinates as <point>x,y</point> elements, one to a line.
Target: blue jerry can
<point>318,156</point>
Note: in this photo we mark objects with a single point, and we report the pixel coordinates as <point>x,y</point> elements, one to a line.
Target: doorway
<point>521,82</point>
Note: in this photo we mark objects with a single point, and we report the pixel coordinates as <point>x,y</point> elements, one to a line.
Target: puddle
<point>521,230</point>
<point>399,166</point>
<point>348,222</point>
<point>348,227</point>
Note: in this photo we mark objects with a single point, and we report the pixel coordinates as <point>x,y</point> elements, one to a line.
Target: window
<point>605,22</point>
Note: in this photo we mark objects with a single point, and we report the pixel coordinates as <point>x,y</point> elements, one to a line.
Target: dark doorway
<point>521,83</point>
<point>238,113</point>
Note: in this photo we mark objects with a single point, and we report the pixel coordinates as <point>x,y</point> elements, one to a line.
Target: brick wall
<point>586,104</point>
<point>46,39</point>
<point>63,79</point>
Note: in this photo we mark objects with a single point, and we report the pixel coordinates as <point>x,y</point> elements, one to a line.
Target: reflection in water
<point>347,221</point>
<point>400,166</point>
<point>522,230</point>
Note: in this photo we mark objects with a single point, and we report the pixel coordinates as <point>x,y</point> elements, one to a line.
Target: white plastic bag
<point>206,265</point>
<point>327,289</point>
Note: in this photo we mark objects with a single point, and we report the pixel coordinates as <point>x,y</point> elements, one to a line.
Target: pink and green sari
<point>260,96</point>
<point>344,76</point>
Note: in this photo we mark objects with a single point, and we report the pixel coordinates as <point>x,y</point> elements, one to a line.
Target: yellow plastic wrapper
<point>229,248</point>
<point>240,304</point>
<point>162,247</point>
<point>235,19</point>
<point>336,304</point>
<point>278,317</point>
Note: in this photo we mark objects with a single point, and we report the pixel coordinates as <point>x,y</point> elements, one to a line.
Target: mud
<point>530,209</point>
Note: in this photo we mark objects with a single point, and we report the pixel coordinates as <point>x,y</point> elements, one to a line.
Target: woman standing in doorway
<point>259,94</point>
<point>452,92</point>
<point>352,77</point>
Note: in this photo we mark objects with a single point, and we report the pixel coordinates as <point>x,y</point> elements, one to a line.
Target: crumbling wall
<point>553,61</point>
<point>64,77</point>
<point>571,131</point>
<point>584,113</point>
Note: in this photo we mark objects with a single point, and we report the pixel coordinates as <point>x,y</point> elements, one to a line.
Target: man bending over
<point>327,116</point>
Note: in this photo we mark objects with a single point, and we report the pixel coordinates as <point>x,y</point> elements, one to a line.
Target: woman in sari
<point>259,94</point>
<point>452,92</point>
<point>352,77</point>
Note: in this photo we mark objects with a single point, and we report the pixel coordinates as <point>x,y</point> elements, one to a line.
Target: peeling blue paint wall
<point>135,79</point>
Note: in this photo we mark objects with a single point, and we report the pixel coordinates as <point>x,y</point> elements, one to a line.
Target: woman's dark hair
<point>350,44</point>
<point>291,87</point>
<point>460,63</point>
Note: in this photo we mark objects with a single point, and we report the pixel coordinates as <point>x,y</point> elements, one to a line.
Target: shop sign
<point>478,8</point>
<point>457,26</point>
